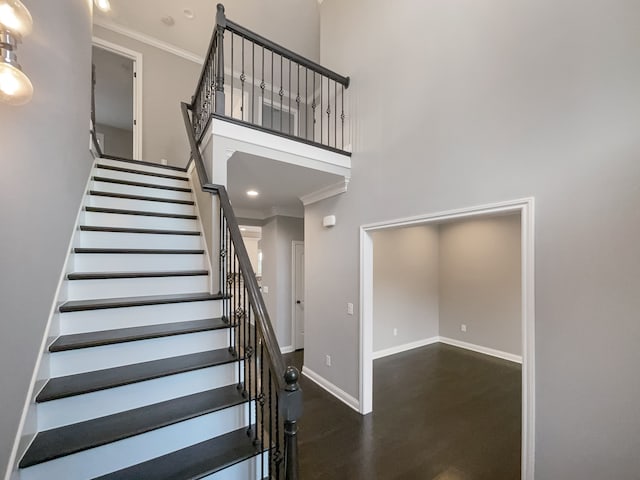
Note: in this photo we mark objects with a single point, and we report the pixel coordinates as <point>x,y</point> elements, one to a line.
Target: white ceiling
<point>294,24</point>
<point>114,89</point>
<point>280,185</point>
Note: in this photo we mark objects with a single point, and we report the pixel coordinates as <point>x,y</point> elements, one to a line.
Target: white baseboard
<point>486,350</point>
<point>340,394</point>
<point>404,347</point>
<point>287,349</point>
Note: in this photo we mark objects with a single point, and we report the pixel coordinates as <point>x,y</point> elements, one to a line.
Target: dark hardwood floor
<point>439,413</point>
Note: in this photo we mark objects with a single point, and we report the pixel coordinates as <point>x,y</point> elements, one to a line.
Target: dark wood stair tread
<point>121,302</point>
<point>69,439</point>
<point>130,334</point>
<point>141,172</point>
<point>110,275</point>
<point>121,211</point>
<point>140,184</point>
<point>78,384</point>
<point>154,231</point>
<point>194,462</point>
<point>98,193</point>
<point>164,251</point>
<point>142,162</point>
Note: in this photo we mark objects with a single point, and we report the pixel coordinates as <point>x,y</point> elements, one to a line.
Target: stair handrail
<point>286,377</point>
<point>92,130</point>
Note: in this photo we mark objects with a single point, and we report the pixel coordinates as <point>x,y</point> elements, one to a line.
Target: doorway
<point>118,99</point>
<point>297,294</point>
<point>525,208</point>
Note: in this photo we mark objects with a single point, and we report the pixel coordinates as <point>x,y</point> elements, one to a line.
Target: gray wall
<point>277,234</point>
<point>530,98</point>
<point>117,141</point>
<point>46,162</point>
<point>405,285</point>
<point>480,282</point>
<point>167,81</point>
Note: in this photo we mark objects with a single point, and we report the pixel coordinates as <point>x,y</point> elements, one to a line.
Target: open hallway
<point>461,421</point>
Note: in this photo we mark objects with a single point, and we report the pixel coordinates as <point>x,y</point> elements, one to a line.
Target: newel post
<point>221,24</point>
<point>291,409</point>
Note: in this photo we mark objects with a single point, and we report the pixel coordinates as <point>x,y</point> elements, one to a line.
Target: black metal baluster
<point>279,456</point>
<point>313,107</point>
<point>281,93</point>
<point>221,23</point>
<point>262,86</point>
<point>328,112</point>
<point>272,102</point>
<point>262,443</point>
<point>289,88</point>
<point>232,78</point>
<point>342,117</point>
<point>306,103</point>
<point>321,116</point>
<point>253,81</point>
<point>270,409</point>
<point>335,113</point>
<point>298,100</point>
<point>242,79</point>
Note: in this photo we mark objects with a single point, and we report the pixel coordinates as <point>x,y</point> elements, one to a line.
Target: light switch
<point>350,308</point>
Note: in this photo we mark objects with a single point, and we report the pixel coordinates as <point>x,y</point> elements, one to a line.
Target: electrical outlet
<point>328,360</point>
<point>349,308</point>
<point>395,332</point>
<point>463,327</point>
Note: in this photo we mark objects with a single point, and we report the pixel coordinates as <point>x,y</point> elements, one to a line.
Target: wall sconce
<point>15,23</point>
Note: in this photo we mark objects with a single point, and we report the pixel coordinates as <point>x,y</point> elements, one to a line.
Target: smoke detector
<point>168,20</point>
<point>188,13</point>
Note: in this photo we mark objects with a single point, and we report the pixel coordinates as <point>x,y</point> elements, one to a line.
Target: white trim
<point>526,208</point>
<point>203,236</point>
<point>152,41</point>
<point>294,329</point>
<point>137,89</point>
<point>340,394</point>
<point>480,349</point>
<point>29,400</point>
<point>287,349</point>
<point>325,192</point>
<point>405,347</point>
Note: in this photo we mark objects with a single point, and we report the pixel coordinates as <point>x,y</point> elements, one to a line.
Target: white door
<point>298,293</point>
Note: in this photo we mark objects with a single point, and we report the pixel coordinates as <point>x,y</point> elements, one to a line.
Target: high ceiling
<point>292,23</point>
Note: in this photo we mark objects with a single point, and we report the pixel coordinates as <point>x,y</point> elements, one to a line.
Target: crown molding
<point>152,41</point>
<point>325,192</point>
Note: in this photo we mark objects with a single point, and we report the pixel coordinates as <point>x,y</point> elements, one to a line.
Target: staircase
<point>146,374</point>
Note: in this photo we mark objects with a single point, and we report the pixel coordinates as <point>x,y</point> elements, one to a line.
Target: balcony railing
<point>253,81</point>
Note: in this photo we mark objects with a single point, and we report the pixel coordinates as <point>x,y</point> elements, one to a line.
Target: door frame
<point>525,207</point>
<point>137,88</point>
<point>294,323</point>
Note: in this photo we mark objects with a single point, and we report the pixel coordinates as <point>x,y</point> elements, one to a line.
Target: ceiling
<point>294,24</point>
<point>280,185</point>
<point>114,89</point>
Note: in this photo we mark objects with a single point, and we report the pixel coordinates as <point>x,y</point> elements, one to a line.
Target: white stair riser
<point>108,356</point>
<point>144,205</point>
<point>111,318</point>
<point>79,408</point>
<point>133,262</point>
<point>139,167</point>
<point>134,287</point>
<point>144,191</point>
<point>99,219</point>
<point>124,453</point>
<point>139,240</point>
<point>136,177</point>
<point>249,469</point>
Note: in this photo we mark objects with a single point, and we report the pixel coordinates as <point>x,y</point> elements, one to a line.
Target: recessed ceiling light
<point>242,229</point>
<point>188,13</point>
<point>103,5</point>
<point>252,193</point>
<point>168,21</point>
